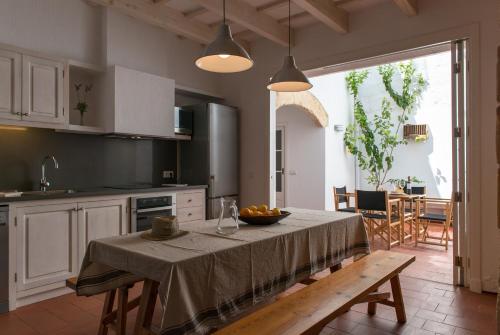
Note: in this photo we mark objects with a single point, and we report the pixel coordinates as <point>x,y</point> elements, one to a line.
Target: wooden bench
<point>114,319</point>
<point>310,309</point>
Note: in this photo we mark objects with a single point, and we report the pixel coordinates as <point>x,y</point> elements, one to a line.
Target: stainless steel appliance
<point>183,121</point>
<point>211,157</point>
<point>145,209</point>
<point>4,259</point>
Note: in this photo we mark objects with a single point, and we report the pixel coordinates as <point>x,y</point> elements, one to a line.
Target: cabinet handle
<point>27,114</point>
<point>190,200</point>
<point>17,113</point>
<point>189,214</point>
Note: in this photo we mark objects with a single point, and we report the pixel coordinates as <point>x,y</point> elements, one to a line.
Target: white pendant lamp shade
<point>289,78</point>
<point>224,54</point>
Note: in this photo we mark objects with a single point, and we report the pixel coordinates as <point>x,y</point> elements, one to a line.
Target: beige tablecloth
<point>206,279</point>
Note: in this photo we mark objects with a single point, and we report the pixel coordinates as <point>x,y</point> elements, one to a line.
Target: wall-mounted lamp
<point>339,127</point>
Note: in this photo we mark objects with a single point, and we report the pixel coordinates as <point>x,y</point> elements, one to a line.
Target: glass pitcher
<point>228,218</point>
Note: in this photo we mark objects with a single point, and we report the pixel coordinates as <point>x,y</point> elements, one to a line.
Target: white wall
<point>305,173</point>
<point>339,165</point>
<point>74,29</point>
<point>139,46</point>
<point>385,29</point>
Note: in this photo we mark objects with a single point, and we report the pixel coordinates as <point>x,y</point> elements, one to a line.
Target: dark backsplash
<point>85,161</point>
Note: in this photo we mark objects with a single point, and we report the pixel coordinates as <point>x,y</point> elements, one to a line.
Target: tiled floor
<point>432,307</point>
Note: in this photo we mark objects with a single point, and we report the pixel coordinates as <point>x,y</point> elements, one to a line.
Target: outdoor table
<point>410,198</point>
<point>204,279</point>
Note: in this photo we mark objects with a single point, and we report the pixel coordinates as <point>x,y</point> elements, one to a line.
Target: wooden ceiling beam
<point>327,12</point>
<point>409,7</point>
<point>163,17</point>
<point>166,18</point>
<point>239,11</point>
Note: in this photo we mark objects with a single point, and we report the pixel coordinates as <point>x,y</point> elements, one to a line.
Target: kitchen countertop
<point>95,192</point>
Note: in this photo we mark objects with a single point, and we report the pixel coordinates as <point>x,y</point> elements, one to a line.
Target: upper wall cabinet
<point>10,85</point>
<point>139,103</point>
<point>31,90</point>
<point>42,90</point>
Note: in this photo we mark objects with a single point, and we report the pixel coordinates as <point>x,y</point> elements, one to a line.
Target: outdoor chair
<point>342,197</point>
<point>382,216</point>
<point>426,219</point>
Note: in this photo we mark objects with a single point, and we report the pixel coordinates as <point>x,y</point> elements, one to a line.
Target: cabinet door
<point>42,90</point>
<point>10,85</point>
<point>144,103</point>
<point>46,245</point>
<point>99,219</point>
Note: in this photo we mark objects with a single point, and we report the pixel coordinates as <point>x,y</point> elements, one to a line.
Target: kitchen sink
<point>50,192</point>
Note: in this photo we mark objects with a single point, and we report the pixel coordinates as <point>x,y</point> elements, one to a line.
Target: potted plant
<point>82,93</point>
<point>401,184</point>
<point>373,141</point>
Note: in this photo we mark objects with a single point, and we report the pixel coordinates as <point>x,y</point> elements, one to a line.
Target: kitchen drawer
<point>190,199</point>
<point>190,214</point>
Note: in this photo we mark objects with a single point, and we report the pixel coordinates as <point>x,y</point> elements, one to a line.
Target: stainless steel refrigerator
<point>211,157</point>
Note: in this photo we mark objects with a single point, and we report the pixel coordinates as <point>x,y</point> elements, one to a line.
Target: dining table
<point>204,280</point>
<point>409,199</point>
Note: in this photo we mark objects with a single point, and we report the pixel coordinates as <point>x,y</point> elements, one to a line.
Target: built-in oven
<point>145,208</point>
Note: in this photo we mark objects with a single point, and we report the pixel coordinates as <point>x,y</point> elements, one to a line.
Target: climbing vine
<point>373,141</point>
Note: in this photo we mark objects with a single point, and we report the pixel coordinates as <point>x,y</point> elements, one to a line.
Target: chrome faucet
<point>44,183</point>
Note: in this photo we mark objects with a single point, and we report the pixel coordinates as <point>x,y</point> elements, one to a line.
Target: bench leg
<point>398,299</point>
<point>372,306</point>
<point>106,309</point>
<point>146,307</point>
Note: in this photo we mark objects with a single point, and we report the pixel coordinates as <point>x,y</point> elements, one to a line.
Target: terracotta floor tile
<point>11,324</point>
<point>430,315</point>
<point>345,325</point>
<point>365,330</point>
<point>438,327</point>
<point>41,320</point>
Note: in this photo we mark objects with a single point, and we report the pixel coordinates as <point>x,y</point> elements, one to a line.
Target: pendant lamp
<point>289,78</point>
<point>224,54</point>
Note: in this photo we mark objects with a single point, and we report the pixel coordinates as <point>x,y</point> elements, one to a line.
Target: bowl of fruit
<point>262,215</point>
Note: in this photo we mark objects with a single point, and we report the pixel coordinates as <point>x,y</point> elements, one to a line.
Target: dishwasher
<point>4,259</point>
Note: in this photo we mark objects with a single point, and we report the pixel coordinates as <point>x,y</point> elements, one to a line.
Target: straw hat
<point>163,228</point>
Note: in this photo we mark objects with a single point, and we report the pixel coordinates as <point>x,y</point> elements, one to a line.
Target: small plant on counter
<point>82,93</point>
<point>373,141</point>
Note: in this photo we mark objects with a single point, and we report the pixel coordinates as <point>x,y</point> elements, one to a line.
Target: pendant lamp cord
<point>289,30</point>
<point>224,11</point>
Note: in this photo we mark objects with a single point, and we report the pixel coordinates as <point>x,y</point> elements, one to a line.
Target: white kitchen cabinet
<point>190,205</point>
<point>10,85</point>
<point>138,103</point>
<point>99,219</point>
<point>46,244</point>
<point>42,92</point>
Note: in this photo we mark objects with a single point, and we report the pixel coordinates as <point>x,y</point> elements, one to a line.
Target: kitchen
<point>138,151</point>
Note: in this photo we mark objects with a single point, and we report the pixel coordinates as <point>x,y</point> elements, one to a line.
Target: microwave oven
<point>183,121</point>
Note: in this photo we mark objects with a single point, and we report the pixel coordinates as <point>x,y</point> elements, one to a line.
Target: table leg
<point>146,307</point>
<point>106,309</point>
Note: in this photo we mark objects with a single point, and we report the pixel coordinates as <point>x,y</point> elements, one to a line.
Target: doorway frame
<point>473,197</point>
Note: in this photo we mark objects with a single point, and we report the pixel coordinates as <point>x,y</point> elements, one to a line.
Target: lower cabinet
<point>46,245</point>
<point>190,206</point>
<point>99,219</point>
<point>51,240</point>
